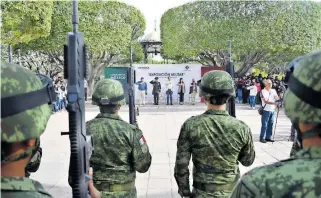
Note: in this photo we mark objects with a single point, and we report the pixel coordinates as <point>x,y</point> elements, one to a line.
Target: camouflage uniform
<point>19,124</point>
<point>120,148</point>
<point>299,176</point>
<point>216,142</point>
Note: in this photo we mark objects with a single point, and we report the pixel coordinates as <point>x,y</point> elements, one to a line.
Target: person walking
<point>181,91</point>
<point>142,88</point>
<point>298,176</point>
<point>156,90</point>
<point>193,91</point>
<point>120,148</point>
<point>169,91</point>
<point>268,97</point>
<point>253,92</point>
<point>215,140</point>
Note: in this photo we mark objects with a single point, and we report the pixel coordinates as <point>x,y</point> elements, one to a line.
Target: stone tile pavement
<point>160,125</point>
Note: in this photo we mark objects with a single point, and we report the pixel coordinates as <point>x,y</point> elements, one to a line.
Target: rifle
<point>131,95</point>
<point>81,145</point>
<point>230,69</point>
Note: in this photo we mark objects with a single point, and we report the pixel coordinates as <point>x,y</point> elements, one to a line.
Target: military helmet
<point>24,103</point>
<point>302,101</point>
<point>108,91</point>
<point>290,68</point>
<point>216,83</point>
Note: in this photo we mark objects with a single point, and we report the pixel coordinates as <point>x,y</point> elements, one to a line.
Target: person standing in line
<point>193,91</point>
<point>142,88</point>
<point>216,141</point>
<point>269,97</point>
<point>253,92</point>
<point>86,88</point>
<point>120,148</point>
<point>181,91</point>
<point>258,87</point>
<point>156,90</point>
<point>169,91</point>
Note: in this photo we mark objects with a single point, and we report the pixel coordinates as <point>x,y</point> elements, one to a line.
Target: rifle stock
<point>81,144</point>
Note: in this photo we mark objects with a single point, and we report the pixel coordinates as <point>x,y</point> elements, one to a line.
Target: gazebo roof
<point>153,36</point>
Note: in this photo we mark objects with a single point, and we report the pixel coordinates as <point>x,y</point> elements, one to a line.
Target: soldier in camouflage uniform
<point>215,140</point>
<point>120,148</point>
<point>24,115</point>
<point>299,176</point>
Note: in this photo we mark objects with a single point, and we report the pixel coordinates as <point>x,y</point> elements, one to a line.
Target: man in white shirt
<point>253,92</point>
<point>268,97</point>
<point>169,91</point>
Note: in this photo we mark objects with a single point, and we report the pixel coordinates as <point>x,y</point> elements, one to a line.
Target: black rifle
<point>81,145</point>
<point>131,78</point>
<point>230,70</point>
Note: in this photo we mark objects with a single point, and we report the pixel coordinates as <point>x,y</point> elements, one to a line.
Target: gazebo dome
<point>153,36</point>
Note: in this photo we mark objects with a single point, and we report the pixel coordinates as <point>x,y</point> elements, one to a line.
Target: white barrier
<point>162,71</point>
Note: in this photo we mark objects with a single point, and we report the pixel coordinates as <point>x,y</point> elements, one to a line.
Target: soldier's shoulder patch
<point>142,140</point>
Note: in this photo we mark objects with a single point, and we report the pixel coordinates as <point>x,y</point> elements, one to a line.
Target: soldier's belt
<point>213,187</point>
<point>104,186</point>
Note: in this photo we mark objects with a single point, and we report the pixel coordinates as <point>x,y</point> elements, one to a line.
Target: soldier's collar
<point>309,153</point>
<point>216,112</point>
<point>108,115</point>
<point>21,184</point>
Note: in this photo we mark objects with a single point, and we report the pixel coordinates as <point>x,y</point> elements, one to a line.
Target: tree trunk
<point>250,60</point>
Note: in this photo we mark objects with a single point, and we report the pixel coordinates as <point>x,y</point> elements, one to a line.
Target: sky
<point>154,9</point>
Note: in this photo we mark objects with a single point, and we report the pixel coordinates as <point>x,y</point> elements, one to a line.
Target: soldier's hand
<point>94,193</point>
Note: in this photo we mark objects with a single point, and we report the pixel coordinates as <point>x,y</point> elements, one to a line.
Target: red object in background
<point>207,69</point>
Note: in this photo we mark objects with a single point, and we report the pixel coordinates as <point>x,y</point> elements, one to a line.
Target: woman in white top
<point>253,92</point>
<point>169,91</point>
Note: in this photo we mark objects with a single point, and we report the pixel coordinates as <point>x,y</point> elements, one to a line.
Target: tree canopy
<point>257,29</point>
<point>109,28</point>
<point>23,21</point>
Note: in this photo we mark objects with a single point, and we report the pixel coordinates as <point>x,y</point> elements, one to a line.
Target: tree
<point>106,38</point>
<point>23,21</point>
<point>259,30</point>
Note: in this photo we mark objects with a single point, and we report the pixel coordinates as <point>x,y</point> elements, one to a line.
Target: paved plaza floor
<point>160,125</point>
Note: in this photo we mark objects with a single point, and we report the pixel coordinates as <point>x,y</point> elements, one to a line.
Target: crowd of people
<point>60,86</point>
<point>248,89</point>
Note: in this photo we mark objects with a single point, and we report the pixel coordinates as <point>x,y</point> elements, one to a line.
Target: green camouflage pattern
<point>216,142</point>
<point>121,194</point>
<point>108,88</point>
<point>26,125</point>
<point>299,176</point>
<point>217,80</point>
<point>118,150</point>
<point>22,187</point>
<point>308,72</point>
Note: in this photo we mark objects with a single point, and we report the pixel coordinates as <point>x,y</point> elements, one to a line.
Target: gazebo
<point>151,43</point>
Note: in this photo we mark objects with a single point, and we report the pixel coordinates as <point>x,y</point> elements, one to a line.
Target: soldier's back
<point>217,141</point>
<point>299,176</point>
<point>22,187</point>
<point>113,139</point>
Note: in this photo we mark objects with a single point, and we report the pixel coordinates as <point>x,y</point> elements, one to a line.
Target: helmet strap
<point>219,100</point>
<point>20,156</point>
<point>314,132</point>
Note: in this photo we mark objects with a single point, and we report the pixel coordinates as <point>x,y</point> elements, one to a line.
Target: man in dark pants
<point>156,90</point>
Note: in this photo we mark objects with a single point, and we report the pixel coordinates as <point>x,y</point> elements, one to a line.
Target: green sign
<point>120,74</point>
